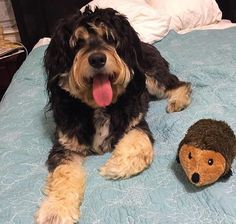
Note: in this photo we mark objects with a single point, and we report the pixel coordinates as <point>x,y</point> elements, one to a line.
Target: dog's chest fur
<point>101,140</point>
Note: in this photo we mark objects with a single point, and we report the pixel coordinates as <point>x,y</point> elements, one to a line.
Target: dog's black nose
<point>97,60</point>
<point>195,178</point>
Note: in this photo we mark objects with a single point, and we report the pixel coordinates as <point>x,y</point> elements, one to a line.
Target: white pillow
<point>150,24</point>
<point>187,14</point>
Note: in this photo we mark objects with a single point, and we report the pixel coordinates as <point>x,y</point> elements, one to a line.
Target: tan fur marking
<point>101,29</point>
<point>154,88</point>
<point>75,82</point>
<point>72,143</point>
<point>64,190</point>
<point>135,121</point>
<point>80,33</point>
<point>63,81</point>
<point>179,98</point>
<point>101,124</point>
<point>132,154</point>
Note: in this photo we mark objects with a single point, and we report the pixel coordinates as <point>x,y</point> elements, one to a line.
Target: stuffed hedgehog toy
<point>207,151</point>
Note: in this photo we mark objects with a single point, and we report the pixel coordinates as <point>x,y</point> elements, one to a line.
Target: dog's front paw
<point>114,169</point>
<point>179,98</point>
<point>52,212</point>
<point>176,106</point>
<point>132,155</point>
<point>121,167</point>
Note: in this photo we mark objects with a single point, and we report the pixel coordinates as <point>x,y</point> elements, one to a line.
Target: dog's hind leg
<point>161,83</point>
<point>178,97</point>
<point>64,189</point>
<point>132,154</point>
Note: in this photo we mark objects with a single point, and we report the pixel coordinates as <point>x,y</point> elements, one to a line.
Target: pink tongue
<point>102,91</point>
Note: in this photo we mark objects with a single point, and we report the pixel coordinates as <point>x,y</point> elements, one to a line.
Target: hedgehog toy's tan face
<point>202,167</point>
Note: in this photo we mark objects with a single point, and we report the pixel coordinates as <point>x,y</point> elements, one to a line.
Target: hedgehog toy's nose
<point>195,178</point>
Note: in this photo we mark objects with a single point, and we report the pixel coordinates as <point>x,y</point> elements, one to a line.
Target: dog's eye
<point>109,39</point>
<point>210,162</point>
<point>79,43</point>
<point>190,155</point>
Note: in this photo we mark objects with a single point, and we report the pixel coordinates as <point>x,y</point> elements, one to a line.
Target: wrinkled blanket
<point>162,193</point>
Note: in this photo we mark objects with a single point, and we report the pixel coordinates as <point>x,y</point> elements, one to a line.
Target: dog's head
<point>93,55</point>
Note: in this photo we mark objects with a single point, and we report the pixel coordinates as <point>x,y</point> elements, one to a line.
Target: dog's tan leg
<point>64,193</point>
<point>132,154</point>
<point>179,98</point>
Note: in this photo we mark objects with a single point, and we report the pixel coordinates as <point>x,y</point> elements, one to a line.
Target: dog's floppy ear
<point>129,45</point>
<point>59,56</point>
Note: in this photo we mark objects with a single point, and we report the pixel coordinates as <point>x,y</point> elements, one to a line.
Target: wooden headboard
<point>37,18</point>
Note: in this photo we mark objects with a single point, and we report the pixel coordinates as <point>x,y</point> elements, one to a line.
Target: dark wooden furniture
<point>37,18</point>
<point>8,67</point>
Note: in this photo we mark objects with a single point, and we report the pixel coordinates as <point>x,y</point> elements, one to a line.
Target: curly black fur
<point>74,117</point>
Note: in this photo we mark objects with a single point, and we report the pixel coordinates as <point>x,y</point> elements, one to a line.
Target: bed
<point>161,194</point>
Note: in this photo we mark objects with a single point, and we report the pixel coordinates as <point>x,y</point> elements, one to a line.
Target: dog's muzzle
<point>97,60</point>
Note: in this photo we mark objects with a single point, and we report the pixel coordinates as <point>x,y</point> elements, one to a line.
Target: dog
<point>100,79</point>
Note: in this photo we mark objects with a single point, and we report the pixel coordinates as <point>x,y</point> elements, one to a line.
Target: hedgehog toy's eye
<point>190,155</point>
<point>210,162</point>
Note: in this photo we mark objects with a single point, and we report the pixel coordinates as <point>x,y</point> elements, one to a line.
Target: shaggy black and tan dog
<point>100,78</point>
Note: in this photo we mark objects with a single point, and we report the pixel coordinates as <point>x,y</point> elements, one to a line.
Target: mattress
<point>161,194</point>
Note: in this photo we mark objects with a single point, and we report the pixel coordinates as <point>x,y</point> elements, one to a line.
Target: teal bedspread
<point>161,194</point>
